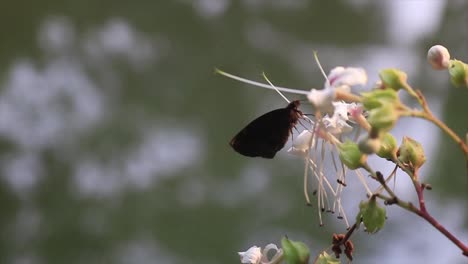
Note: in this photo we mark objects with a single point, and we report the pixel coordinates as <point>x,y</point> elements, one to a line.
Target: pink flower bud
<point>439,57</point>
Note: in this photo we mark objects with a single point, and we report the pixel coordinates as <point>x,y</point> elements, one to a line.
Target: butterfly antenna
<point>320,66</point>
<point>276,89</point>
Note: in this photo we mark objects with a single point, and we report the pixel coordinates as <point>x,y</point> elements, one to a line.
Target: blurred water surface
<point>114,129</point>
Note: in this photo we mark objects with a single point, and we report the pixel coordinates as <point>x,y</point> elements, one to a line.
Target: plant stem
<point>427,114</point>
<point>449,132</point>
<point>421,211</point>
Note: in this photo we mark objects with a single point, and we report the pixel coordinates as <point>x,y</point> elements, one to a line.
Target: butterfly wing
<point>266,135</point>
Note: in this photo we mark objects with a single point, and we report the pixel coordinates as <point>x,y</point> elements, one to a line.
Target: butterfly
<point>267,134</point>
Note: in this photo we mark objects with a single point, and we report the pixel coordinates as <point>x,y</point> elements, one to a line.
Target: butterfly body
<point>267,134</point>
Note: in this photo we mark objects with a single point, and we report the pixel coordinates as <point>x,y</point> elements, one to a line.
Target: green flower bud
<point>372,215</point>
<point>295,252</point>
<point>411,154</point>
<point>458,73</point>
<point>351,156</point>
<point>388,147</point>
<point>393,79</point>
<point>383,118</point>
<point>369,145</point>
<point>377,98</point>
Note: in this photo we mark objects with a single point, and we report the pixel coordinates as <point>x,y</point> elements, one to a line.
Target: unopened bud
<point>388,147</point>
<point>351,156</point>
<point>372,215</point>
<point>458,73</point>
<point>377,98</point>
<point>295,251</point>
<point>393,79</point>
<point>439,57</point>
<point>383,118</point>
<point>411,154</point>
<point>369,145</point>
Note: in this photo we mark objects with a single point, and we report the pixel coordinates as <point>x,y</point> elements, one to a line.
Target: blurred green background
<point>114,129</point>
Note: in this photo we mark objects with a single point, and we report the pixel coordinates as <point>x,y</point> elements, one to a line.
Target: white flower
<point>344,78</point>
<point>439,57</point>
<point>323,99</point>
<point>339,78</point>
<point>254,255</point>
<point>337,124</point>
<point>302,144</point>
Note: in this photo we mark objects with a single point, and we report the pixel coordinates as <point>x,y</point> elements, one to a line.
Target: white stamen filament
<point>342,212</point>
<point>339,190</point>
<point>283,89</point>
<point>313,167</point>
<point>320,67</point>
<point>363,181</point>
<point>306,193</point>
<point>276,89</point>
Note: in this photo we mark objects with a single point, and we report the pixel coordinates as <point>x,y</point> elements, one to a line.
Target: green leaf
<point>324,258</point>
<point>372,215</point>
<point>295,252</point>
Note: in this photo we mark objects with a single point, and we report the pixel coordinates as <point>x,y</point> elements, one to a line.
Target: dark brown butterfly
<point>267,134</point>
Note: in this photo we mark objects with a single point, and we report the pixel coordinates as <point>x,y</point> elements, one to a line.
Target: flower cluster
<point>333,120</point>
<point>345,128</point>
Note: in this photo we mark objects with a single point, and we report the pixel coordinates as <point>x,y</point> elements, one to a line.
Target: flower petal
<point>344,78</point>
<point>252,256</point>
<point>337,124</point>
<point>323,99</point>
<point>267,249</point>
<point>302,144</point>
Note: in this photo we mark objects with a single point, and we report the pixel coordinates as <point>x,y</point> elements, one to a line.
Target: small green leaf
<point>324,258</point>
<point>295,252</point>
<point>372,215</point>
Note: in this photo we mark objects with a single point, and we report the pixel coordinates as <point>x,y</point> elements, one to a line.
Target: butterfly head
<point>293,106</point>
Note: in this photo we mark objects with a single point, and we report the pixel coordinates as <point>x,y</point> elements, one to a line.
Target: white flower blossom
<point>254,255</point>
<point>302,144</point>
<point>339,78</point>
<point>344,78</point>
<point>323,99</point>
<point>337,124</point>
